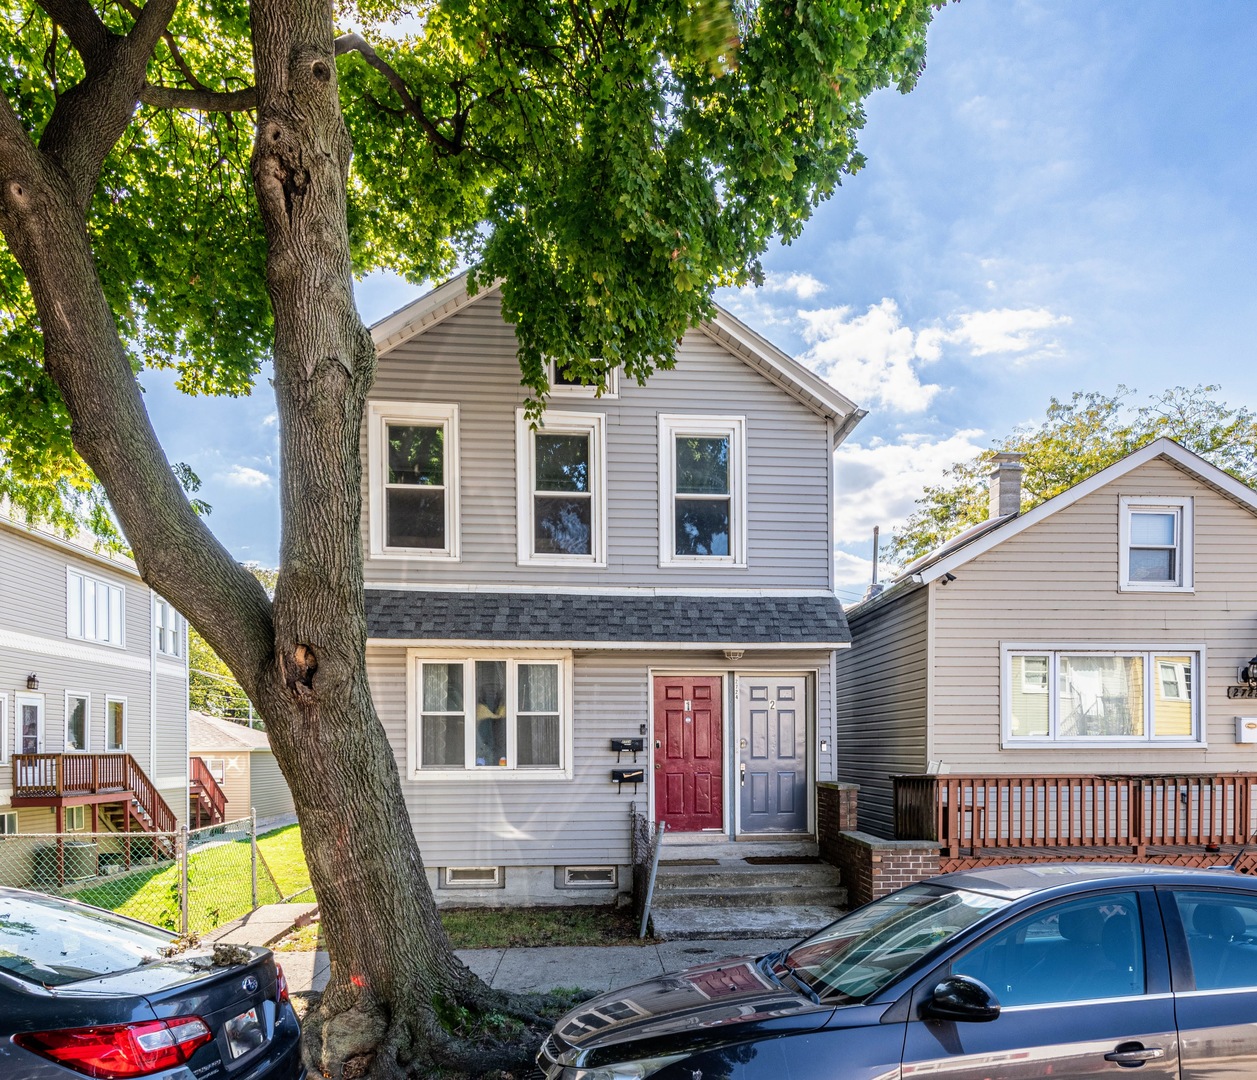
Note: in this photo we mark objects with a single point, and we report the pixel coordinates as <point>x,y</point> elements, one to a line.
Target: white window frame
<point>80,812</point>
<point>76,584</point>
<point>592,425</point>
<point>87,723</point>
<point>734,427</point>
<point>4,729</point>
<point>1182,509</point>
<point>415,658</point>
<point>610,389</point>
<point>1151,676</point>
<point>164,610</point>
<point>379,415</point>
<point>8,823</point>
<point>116,699</point>
<point>20,699</point>
<point>220,776</point>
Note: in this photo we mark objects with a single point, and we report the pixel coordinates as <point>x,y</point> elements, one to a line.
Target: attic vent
<point>597,877</point>
<point>472,877</point>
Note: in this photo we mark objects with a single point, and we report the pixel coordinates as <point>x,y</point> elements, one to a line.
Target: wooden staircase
<point>207,805</point>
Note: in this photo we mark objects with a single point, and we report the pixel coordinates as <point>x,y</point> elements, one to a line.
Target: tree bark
<point>396,988</point>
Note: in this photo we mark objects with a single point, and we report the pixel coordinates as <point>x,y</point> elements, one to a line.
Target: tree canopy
<point>1078,438</point>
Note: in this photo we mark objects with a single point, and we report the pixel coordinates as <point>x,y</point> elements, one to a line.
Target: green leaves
<point>1078,438</point>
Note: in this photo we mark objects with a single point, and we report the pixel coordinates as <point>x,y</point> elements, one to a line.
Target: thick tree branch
<point>198,100</point>
<point>347,43</point>
<point>87,33</point>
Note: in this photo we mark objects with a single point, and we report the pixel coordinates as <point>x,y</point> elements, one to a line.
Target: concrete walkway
<point>588,967</point>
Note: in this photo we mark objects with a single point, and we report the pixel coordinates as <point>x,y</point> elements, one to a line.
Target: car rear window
<point>54,942</point>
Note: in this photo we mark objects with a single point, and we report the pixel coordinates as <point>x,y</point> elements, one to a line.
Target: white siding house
<point>652,564</point>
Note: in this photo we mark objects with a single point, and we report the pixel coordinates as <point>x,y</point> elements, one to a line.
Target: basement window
<point>472,877</point>
<point>587,877</point>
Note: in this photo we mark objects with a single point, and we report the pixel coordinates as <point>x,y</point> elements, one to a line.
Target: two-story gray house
<point>93,691</point>
<point>652,563</point>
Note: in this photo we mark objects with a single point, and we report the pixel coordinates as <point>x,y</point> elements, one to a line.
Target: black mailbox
<point>628,745</point>
<point>628,776</point>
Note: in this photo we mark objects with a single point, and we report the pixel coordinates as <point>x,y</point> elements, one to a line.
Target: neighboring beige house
<point>240,762</point>
<point>642,587</point>
<point>93,691</point>
<point>1101,633</point>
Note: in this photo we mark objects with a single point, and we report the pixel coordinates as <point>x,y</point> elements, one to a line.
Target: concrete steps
<point>714,887</point>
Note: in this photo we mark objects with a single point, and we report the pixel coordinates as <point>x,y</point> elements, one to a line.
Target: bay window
<point>1084,696</point>
<point>491,714</point>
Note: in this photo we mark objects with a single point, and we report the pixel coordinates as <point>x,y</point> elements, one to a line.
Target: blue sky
<point>1065,202</point>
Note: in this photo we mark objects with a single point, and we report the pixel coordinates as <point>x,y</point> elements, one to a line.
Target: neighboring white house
<point>239,760</point>
<point>1102,632</point>
<point>652,566</point>
<point>93,691</point>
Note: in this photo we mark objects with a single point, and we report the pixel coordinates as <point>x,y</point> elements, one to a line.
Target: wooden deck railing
<point>57,776</point>
<point>1135,811</point>
<point>201,781</point>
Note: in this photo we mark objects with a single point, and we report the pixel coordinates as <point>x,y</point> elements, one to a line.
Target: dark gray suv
<point>84,992</point>
<point>1064,970</point>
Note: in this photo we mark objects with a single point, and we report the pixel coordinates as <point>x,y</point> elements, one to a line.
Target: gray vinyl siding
<point>1057,583</point>
<point>33,639</point>
<point>511,822</point>
<point>271,797</point>
<point>470,360</point>
<point>881,696</point>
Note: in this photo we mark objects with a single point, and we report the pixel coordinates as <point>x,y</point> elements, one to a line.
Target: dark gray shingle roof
<point>590,617</point>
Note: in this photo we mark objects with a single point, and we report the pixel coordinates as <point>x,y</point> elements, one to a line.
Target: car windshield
<point>857,956</point>
<point>53,942</point>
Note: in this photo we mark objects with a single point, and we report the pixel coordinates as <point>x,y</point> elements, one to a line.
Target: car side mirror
<point>960,997</point>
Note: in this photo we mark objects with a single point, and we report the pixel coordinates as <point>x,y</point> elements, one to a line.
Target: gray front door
<point>772,753</point>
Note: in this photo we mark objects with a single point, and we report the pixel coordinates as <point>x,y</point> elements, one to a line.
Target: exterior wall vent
<point>472,877</point>
<point>586,877</point>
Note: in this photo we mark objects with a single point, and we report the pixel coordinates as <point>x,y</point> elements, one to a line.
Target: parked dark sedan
<point>85,992</point>
<point>1013,972</point>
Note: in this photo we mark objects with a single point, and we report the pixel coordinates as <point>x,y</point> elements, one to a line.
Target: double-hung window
<point>563,384</point>
<point>1155,544</point>
<point>115,723</point>
<point>1081,696</point>
<point>168,628</point>
<point>94,609</point>
<point>702,490</point>
<point>491,714</point>
<point>562,489</point>
<point>412,458</point>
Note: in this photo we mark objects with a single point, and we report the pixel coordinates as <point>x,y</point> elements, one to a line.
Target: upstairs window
<point>702,490</point>
<point>1156,544</point>
<point>94,609</point>
<point>562,492</point>
<point>413,461</point>
<point>564,385</point>
<point>168,628</point>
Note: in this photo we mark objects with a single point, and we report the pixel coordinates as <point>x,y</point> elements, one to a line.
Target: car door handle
<point>1132,1054</point>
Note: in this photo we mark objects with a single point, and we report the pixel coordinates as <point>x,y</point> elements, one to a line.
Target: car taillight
<point>281,985</point>
<point>120,1051</point>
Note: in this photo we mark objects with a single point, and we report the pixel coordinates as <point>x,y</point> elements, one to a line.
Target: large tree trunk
<point>396,988</point>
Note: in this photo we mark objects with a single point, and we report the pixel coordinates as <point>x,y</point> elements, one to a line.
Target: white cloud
<point>243,476</point>
<point>803,286</point>
<point>872,358</point>
<point>270,419</point>
<point>1005,330</point>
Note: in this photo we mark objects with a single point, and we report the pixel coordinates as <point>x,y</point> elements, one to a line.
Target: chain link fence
<point>192,880</point>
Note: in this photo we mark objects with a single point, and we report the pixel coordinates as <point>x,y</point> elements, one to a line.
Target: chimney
<point>1005,484</point>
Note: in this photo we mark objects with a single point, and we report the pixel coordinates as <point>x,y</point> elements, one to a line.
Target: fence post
<point>253,845</point>
<point>183,879</point>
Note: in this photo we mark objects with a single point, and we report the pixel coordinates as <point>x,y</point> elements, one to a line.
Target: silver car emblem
<point>250,985</point>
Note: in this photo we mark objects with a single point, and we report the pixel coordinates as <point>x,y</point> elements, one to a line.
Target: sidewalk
<point>589,967</point>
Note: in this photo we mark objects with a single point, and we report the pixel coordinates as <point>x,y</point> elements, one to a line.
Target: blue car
<point>85,992</point>
<point>1076,971</point>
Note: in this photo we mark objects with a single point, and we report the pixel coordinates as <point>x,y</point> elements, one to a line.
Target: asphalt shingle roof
<point>590,617</point>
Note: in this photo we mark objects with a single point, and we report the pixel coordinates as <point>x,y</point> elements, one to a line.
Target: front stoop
<point>708,889</point>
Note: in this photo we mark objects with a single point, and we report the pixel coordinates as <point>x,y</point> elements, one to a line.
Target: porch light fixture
<point>736,654</point>
<point>32,681</point>
<point>1249,673</point>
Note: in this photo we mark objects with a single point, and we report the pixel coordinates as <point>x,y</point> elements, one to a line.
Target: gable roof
<point>982,538</point>
<point>207,732</point>
<point>736,337</point>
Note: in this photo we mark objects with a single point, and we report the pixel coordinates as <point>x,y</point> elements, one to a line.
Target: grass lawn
<point>219,883</point>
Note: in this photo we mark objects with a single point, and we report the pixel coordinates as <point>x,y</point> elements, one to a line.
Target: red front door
<point>688,752</point>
